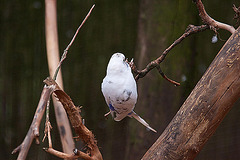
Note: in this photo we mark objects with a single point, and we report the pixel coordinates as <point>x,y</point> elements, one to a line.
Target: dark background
<point>141,29</point>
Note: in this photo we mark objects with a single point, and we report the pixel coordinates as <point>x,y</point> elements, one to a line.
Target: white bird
<point>120,90</point>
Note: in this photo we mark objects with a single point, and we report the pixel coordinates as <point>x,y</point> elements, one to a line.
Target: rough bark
<point>204,109</point>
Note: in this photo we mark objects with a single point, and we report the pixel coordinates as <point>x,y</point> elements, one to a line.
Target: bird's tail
<point>139,119</point>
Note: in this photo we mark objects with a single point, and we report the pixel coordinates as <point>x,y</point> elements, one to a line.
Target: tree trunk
<point>204,109</point>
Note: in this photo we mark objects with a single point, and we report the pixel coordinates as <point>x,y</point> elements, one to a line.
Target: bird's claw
<point>106,115</point>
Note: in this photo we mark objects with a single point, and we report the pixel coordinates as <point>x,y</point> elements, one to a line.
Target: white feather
<point>214,39</point>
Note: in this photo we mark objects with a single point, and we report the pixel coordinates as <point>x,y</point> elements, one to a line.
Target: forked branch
<point>214,25</point>
<point>191,29</point>
<point>209,23</point>
<point>33,132</point>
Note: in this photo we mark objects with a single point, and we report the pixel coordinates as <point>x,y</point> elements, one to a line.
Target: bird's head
<point>117,57</point>
<point>117,63</point>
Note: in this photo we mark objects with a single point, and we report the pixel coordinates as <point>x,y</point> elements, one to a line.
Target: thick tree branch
<point>33,132</point>
<point>214,25</point>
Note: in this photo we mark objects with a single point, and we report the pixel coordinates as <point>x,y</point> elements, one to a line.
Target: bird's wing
<point>139,119</point>
<point>123,103</point>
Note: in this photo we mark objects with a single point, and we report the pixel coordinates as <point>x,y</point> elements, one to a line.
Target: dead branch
<point>214,25</point>
<point>33,132</point>
<point>165,77</point>
<point>58,153</point>
<point>64,55</point>
<point>76,120</point>
<point>209,22</point>
<point>191,29</point>
<point>74,116</point>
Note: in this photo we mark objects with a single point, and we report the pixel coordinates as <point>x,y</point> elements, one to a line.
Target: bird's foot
<point>106,115</point>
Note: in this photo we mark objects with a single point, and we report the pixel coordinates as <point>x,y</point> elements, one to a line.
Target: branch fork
<point>73,112</point>
<point>214,25</point>
<point>209,23</point>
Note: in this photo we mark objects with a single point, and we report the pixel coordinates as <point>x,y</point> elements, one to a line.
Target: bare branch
<point>83,155</point>
<point>60,154</point>
<point>33,132</point>
<point>191,29</point>
<point>64,55</point>
<point>214,25</point>
<point>165,77</point>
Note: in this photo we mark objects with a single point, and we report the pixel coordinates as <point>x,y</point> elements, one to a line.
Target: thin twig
<point>165,77</point>
<point>47,120</point>
<point>191,29</point>
<point>64,55</point>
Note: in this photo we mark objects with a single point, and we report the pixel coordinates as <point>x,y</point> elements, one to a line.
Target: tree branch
<point>214,25</point>
<point>191,29</point>
<point>76,120</point>
<point>209,22</point>
<point>64,55</point>
<point>33,132</point>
